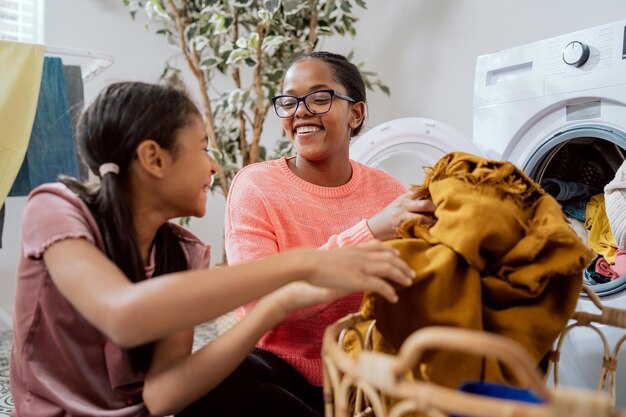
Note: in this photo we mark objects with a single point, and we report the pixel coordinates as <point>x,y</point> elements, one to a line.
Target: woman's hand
<point>383,224</point>
<point>370,266</point>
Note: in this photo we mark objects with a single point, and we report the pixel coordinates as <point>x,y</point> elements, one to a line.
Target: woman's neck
<point>323,173</point>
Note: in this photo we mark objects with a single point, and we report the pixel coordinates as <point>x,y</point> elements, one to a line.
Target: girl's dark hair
<point>120,118</point>
<point>344,72</point>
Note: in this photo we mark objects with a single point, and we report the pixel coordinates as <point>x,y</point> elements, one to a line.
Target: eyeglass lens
<point>316,103</point>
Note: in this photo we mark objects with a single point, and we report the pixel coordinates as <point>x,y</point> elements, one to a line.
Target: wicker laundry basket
<point>355,386</point>
<point>609,316</point>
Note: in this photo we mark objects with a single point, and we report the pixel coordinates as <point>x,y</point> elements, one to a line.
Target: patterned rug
<point>203,334</point>
<point>6,405</point>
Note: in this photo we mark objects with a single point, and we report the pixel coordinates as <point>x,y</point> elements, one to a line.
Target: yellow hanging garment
<point>21,66</point>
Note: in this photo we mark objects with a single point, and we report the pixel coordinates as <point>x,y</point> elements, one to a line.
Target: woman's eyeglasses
<point>317,102</point>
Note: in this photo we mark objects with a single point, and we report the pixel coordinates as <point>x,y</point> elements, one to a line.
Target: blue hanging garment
<point>51,150</point>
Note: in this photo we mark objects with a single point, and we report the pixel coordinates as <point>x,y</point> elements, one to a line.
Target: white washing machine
<point>557,109</point>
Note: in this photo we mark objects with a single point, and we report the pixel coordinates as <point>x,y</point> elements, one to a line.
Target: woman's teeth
<point>307,129</point>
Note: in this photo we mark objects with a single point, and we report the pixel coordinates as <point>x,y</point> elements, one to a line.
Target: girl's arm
<point>133,314</point>
<point>205,369</point>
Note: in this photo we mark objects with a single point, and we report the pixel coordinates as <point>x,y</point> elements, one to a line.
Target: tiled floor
<point>6,405</point>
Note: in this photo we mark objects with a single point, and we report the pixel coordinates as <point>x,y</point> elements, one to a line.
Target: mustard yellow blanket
<point>501,257</point>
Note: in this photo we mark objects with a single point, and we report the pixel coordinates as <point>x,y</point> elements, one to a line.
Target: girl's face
<point>317,137</point>
<point>191,172</point>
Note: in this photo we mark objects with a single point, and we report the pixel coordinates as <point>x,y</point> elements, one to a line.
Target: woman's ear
<point>152,158</point>
<point>357,114</point>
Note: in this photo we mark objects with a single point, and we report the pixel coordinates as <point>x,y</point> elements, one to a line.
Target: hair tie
<point>107,168</point>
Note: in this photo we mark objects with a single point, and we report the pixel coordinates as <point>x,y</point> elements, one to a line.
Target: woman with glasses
<point>317,198</point>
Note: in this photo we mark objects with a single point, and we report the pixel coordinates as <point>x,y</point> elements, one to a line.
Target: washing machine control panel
<point>575,53</point>
<point>579,61</point>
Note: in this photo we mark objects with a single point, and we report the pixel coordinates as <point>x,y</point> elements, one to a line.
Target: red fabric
<point>61,364</point>
<point>604,268</point>
<point>270,210</point>
<point>620,263</point>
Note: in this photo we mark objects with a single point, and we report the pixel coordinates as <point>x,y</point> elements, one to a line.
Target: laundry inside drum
<point>575,172</point>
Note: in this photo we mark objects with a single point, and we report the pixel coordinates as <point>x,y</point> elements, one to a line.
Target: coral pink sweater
<point>270,209</point>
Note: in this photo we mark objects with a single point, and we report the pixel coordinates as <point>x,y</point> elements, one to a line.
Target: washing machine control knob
<point>575,53</point>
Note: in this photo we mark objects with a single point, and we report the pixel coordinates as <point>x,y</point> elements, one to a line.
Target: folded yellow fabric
<point>501,258</point>
<point>21,66</point>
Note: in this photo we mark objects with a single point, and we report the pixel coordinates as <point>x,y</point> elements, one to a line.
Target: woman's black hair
<point>344,72</point>
<point>120,118</point>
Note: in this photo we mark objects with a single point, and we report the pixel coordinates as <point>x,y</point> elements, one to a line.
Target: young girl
<point>319,198</point>
<point>94,333</point>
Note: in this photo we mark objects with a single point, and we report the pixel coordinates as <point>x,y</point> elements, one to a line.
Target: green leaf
<point>217,155</point>
<point>254,41</point>
<point>237,55</point>
<point>158,7</point>
<point>226,48</point>
<point>384,89</point>
<point>200,42</point>
<point>275,76</point>
<point>241,42</point>
<point>220,25</point>
<point>361,4</point>
<point>250,62</point>
<point>271,6</point>
<point>209,63</point>
<point>242,4</point>
<point>291,7</point>
<point>271,43</point>
<point>191,32</point>
<point>264,15</point>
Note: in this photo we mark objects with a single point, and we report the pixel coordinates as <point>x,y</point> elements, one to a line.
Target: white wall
<point>425,50</point>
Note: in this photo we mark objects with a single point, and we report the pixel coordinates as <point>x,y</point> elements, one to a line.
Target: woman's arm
<point>133,314</point>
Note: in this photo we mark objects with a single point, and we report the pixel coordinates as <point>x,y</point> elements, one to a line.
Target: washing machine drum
<point>404,147</point>
<point>588,160</point>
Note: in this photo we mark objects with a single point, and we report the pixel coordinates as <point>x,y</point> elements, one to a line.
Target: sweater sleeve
<point>359,233</point>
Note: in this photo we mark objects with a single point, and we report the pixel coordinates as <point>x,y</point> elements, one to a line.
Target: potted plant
<point>251,42</point>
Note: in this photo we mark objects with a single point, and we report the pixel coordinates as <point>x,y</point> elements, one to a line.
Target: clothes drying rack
<point>355,386</point>
<point>91,62</point>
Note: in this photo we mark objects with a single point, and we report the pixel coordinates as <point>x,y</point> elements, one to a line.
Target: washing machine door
<point>403,147</point>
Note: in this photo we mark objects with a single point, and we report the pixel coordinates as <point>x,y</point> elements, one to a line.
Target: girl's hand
<point>383,224</point>
<point>357,268</point>
<point>301,294</point>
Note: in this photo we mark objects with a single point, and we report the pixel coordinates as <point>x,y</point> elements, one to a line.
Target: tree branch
<point>259,112</point>
<point>312,26</point>
<point>236,74</point>
<point>193,61</point>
